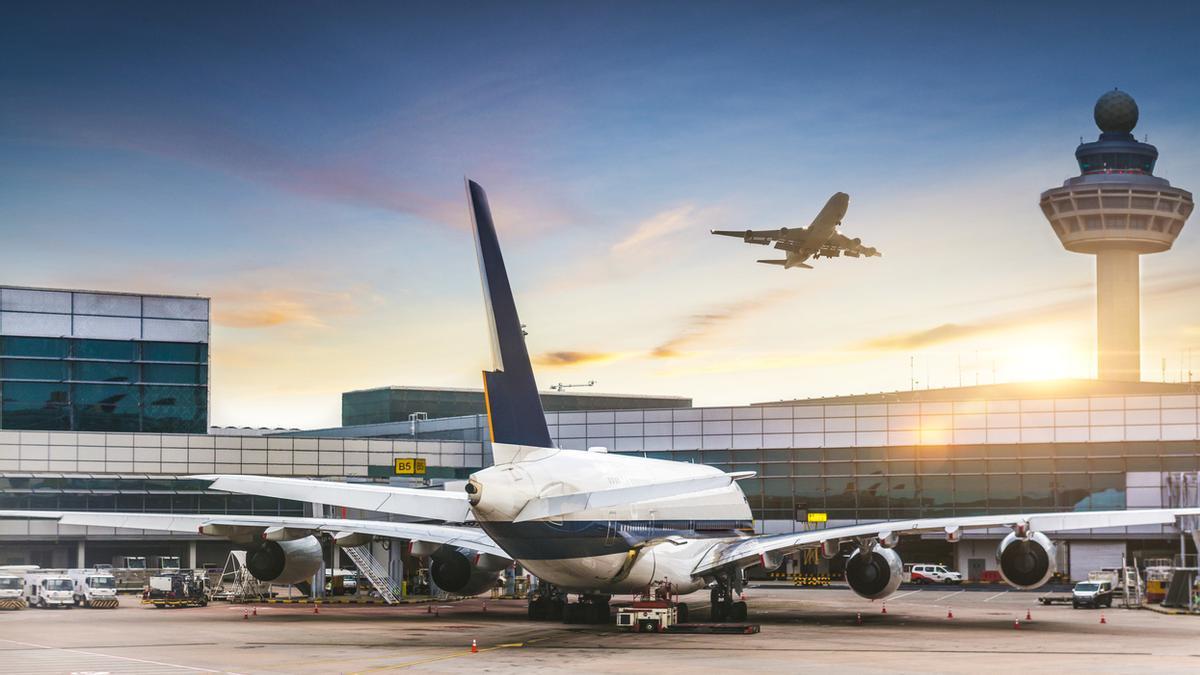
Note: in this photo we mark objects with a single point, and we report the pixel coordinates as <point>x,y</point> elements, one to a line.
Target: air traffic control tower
<point>1117,209</point>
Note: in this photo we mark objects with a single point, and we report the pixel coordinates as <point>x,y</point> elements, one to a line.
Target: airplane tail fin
<point>514,408</point>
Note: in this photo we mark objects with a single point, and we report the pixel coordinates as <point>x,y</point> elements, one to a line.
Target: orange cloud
<point>568,358</point>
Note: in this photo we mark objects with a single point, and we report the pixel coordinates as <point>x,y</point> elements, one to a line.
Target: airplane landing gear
<point>724,607</point>
<point>589,609</point>
<point>547,603</point>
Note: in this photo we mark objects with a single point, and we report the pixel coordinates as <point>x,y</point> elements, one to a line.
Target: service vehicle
<point>49,590</point>
<point>176,589</point>
<point>10,592</point>
<point>931,574</point>
<point>94,588</point>
<point>648,616</point>
<point>1092,594</point>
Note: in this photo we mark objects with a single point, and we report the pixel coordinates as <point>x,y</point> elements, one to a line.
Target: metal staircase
<point>374,572</point>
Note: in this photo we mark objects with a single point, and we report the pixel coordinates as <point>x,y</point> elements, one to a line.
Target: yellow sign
<point>814,517</point>
<point>409,466</point>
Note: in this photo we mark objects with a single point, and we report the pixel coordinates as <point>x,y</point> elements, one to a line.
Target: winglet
<point>514,408</point>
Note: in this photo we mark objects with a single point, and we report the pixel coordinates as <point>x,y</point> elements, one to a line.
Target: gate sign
<point>409,466</point>
<point>817,517</point>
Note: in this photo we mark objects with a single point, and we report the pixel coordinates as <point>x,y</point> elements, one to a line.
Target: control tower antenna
<point>1117,210</point>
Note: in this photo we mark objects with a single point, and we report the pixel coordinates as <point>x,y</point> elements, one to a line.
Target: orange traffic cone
<point>316,609</point>
<point>858,620</point>
<point>474,647</point>
<point>245,615</point>
<point>1028,615</point>
<point>1017,624</point>
<point>255,611</point>
<point>485,606</point>
<point>949,613</point>
<point>884,608</point>
<point>1102,619</point>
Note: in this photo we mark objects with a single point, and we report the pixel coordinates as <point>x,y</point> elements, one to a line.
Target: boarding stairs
<point>370,568</point>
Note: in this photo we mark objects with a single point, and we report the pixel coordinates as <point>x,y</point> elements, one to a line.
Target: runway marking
<point>902,595</point>
<point>993,597</point>
<point>948,595</point>
<point>113,656</point>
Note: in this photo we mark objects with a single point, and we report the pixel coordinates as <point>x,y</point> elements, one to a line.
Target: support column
<point>191,564</point>
<point>1118,316</point>
<point>81,554</point>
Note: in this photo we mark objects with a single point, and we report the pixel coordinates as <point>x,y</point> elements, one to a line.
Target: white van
<point>49,590</point>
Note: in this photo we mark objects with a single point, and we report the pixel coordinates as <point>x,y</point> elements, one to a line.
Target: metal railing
<point>374,572</point>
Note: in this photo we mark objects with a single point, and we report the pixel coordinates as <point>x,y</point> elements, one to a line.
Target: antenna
<point>560,386</point>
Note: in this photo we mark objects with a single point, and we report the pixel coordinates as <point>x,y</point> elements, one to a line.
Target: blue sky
<point>302,164</point>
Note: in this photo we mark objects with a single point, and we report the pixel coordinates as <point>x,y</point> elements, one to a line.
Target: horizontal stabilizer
<point>781,263</point>
<point>560,505</point>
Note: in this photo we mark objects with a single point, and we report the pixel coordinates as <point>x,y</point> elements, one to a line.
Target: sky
<point>302,164</point>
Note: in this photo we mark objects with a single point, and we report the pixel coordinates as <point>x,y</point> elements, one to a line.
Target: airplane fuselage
<point>619,549</point>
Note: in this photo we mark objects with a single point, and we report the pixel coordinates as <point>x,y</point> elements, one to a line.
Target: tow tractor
<point>656,611</point>
<point>176,589</point>
<point>10,592</point>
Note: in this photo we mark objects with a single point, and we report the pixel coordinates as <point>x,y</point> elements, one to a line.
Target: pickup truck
<point>1092,593</point>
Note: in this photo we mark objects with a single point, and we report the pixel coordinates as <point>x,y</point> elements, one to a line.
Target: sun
<point>1035,360</point>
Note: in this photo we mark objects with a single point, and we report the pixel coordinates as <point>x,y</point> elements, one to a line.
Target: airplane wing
<point>451,507</point>
<point>852,247</point>
<point>746,552</point>
<point>753,236</point>
<point>466,537</point>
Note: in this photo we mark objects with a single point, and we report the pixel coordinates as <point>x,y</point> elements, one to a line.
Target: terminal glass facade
<point>64,384</point>
<point>126,494</point>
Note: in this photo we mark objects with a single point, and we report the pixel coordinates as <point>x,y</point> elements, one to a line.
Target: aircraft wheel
<point>681,611</point>
<point>738,611</point>
<point>601,613</point>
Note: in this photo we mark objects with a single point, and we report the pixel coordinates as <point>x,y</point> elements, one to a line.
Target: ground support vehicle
<point>930,574</point>
<point>49,590</point>
<point>648,616</point>
<point>94,588</point>
<point>176,589</point>
<point>1092,593</point>
<point>10,592</point>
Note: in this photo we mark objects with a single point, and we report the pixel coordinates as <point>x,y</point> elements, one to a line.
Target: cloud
<point>659,225</point>
<point>699,326</point>
<point>568,358</point>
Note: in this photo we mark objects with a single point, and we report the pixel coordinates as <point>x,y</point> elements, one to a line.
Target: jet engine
<point>462,571</point>
<point>876,574</point>
<point>1026,562</point>
<point>285,562</point>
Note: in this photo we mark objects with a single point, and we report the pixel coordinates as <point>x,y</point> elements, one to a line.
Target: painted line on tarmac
<point>902,595</point>
<point>948,595</point>
<point>993,597</point>
<point>113,656</point>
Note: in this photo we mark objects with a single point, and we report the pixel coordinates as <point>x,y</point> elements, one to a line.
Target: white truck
<point>45,590</point>
<point>10,592</point>
<point>94,588</point>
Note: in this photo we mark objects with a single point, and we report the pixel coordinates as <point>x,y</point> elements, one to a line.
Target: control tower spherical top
<point>1116,112</point>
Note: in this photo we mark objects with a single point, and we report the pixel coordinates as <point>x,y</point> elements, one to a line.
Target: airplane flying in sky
<point>819,240</point>
<point>586,522</point>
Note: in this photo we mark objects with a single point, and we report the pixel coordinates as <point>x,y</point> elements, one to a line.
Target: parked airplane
<point>588,523</point>
<point>820,239</point>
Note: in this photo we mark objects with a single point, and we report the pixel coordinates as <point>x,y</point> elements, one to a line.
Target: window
<point>175,351</point>
<point>106,407</point>
<point>111,350</point>
<point>34,405</point>
<point>174,374</point>
<point>31,346</point>
<point>85,371</point>
<point>22,369</point>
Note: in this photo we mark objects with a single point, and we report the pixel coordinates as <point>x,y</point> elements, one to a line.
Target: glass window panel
<point>1108,492</point>
<point>970,492</point>
<point>174,374</point>
<point>106,407</point>
<point>1062,465</point>
<point>936,491</point>
<point>714,456</point>
<point>839,469</point>
<point>266,506</point>
<point>158,503</point>
<point>1037,490</point>
<point>1004,492</point>
<point>174,409</point>
<point>22,369</point>
<point>747,456</point>
<point>1106,449</point>
<point>927,466</point>
<point>33,346</point>
<point>1142,448</point>
<point>102,503</point>
<point>1071,491</point>
<point>872,453</point>
<point>1037,465</point>
<point>839,454</point>
<point>777,493</point>
<point>809,491</point>
<point>1143,464</point>
<point>116,350</point>
<point>1000,451</point>
<point>212,504</point>
<point>902,494</point>
<point>840,493</point>
<point>185,503</point>
<point>1071,449</point>
<point>907,452</point>
<point>902,467</point>
<point>175,351</point>
<point>1178,463</point>
<point>87,371</point>
<point>870,468</point>
<point>806,468</point>
<point>239,505</point>
<point>1035,450</point>
<point>34,405</point>
<point>969,466</point>
<point>776,469</point>
<point>777,455</point>
<point>1107,464</point>
<point>133,503</point>
<point>1003,465</point>
<point>872,492</point>
<point>806,455</point>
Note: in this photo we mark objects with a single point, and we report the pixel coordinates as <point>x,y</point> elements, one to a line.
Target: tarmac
<point>801,629</point>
